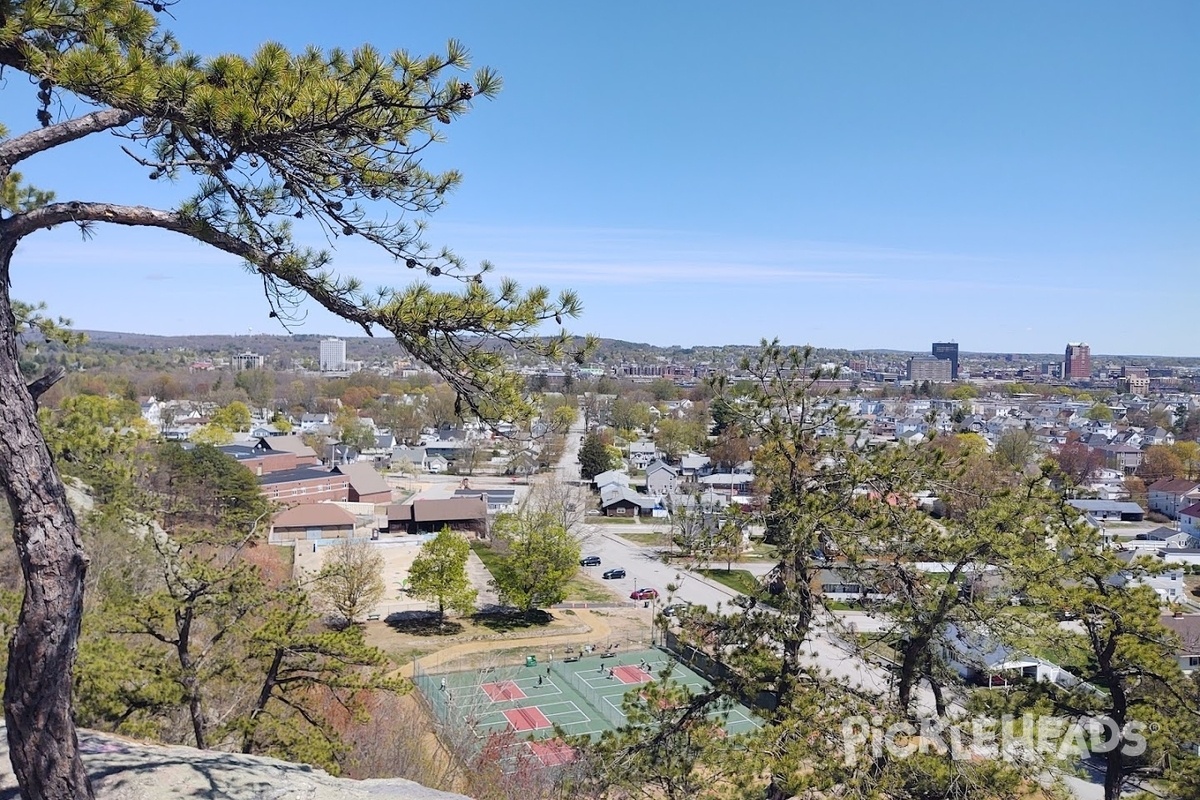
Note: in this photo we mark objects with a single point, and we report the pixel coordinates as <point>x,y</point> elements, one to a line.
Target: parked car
<point>589,561</point>
<point>643,594</point>
<point>614,573</point>
<point>674,609</point>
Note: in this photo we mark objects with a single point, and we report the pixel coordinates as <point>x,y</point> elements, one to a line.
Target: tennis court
<point>581,695</point>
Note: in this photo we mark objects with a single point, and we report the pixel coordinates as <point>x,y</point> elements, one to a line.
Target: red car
<point>643,594</point>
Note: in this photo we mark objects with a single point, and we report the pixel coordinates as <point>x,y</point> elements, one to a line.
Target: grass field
<point>739,580</point>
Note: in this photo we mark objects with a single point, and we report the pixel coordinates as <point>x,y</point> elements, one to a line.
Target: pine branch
<point>19,148</point>
<point>285,267</point>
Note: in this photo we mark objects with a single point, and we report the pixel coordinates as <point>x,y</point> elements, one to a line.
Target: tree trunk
<point>43,747</point>
<point>914,653</point>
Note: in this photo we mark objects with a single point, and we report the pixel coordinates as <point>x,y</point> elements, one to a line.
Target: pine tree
<point>594,457</point>
<point>332,138</point>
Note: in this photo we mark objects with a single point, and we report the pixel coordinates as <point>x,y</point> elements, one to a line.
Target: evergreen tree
<point>334,138</point>
<point>594,457</point>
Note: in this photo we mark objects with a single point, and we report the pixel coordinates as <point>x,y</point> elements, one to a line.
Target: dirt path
<point>599,629</point>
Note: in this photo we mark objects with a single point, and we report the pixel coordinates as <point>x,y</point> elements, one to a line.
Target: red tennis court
<point>526,719</point>
<point>503,690</point>
<point>629,674</point>
<point>552,752</point>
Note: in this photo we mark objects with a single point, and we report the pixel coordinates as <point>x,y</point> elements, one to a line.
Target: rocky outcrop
<point>122,769</point>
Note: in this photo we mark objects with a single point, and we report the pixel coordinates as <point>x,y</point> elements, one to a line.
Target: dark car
<point>589,561</point>
<point>673,609</point>
<point>643,594</point>
<point>614,573</point>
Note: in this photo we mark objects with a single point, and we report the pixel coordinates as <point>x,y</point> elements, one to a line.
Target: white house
<point>661,478</point>
<point>1187,628</point>
<point>642,453</point>
<point>1189,520</point>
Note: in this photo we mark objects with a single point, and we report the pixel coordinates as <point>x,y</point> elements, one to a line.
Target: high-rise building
<point>949,352</point>
<point>333,355</point>
<point>927,368</point>
<point>1077,365</point>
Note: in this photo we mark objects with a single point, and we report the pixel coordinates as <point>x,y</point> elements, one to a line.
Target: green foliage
<point>963,391</point>
<point>258,384</point>
<point>1014,448</point>
<point>298,662</point>
<point>594,457</point>
<point>212,435</point>
<point>540,558</point>
<point>1100,412</point>
<point>233,417</point>
<point>92,438</point>
<point>439,574</point>
<point>675,437</point>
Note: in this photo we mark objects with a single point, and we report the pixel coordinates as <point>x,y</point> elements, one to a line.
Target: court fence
<point>599,701</point>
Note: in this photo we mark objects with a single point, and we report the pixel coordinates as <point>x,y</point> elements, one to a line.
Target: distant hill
<point>365,348</point>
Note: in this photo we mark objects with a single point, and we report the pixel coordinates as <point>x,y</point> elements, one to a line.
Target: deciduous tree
<point>539,558</point>
<point>350,582</point>
<point>330,138</point>
<point>439,574</point>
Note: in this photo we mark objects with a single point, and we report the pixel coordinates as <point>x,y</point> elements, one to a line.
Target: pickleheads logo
<point>1014,738</point>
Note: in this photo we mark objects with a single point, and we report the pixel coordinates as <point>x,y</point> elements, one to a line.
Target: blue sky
<point>872,174</point>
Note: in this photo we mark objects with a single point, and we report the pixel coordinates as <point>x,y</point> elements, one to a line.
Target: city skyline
<point>1010,178</point>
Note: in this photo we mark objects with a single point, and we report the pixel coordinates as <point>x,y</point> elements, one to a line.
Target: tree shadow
<point>503,620</point>
<point>422,623</point>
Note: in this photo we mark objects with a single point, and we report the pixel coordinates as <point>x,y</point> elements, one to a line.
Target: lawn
<point>651,539</point>
<point>739,580</point>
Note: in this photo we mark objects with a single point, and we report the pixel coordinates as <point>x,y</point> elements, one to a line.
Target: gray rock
<point>123,769</point>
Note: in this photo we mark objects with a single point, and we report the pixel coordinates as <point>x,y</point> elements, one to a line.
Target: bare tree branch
<point>19,148</point>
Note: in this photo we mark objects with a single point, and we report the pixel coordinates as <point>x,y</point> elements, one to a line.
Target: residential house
<point>1158,435</point>
<point>414,456</point>
<point>621,501</point>
<point>694,465</point>
<point>1187,628</point>
<point>316,423</point>
<point>1110,510</point>
<point>979,656</point>
<point>1125,457</point>
<point>1189,520</point>
<point>641,454</point>
<point>1169,496</point>
<point>661,478</point>
<point>1168,585</point>
<point>464,514</point>
<point>1169,537</point>
<point>311,521</point>
<point>366,484</point>
<point>612,476</point>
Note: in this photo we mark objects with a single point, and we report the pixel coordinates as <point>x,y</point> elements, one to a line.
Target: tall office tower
<point>1077,365</point>
<point>333,355</point>
<point>948,351</point>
